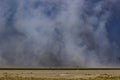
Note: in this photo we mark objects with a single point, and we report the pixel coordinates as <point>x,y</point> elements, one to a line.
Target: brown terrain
<point>59,74</point>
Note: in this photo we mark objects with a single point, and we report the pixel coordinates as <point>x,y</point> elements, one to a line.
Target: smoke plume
<point>56,33</point>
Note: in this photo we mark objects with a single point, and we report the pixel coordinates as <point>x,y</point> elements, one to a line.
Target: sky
<point>60,33</point>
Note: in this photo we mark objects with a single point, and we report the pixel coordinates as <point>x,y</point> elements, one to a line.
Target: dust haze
<point>56,33</point>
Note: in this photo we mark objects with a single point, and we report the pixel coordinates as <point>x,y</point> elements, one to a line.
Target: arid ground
<point>59,74</point>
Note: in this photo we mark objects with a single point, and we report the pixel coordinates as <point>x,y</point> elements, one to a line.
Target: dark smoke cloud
<point>56,33</point>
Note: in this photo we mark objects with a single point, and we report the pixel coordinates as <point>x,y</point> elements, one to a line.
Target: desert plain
<point>59,74</point>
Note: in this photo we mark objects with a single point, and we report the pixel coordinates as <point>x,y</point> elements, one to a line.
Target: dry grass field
<point>59,74</point>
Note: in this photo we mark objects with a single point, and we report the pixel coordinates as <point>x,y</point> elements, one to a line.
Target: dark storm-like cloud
<point>56,33</point>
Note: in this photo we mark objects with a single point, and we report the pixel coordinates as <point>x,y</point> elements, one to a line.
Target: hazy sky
<point>59,33</point>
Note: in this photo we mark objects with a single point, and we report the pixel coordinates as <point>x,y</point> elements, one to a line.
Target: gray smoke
<point>56,33</point>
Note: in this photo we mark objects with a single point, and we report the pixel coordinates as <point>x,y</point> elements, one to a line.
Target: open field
<point>59,74</point>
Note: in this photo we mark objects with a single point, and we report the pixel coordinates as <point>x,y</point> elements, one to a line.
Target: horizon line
<point>55,68</point>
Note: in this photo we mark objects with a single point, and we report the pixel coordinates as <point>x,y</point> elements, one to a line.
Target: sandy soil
<point>59,73</point>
